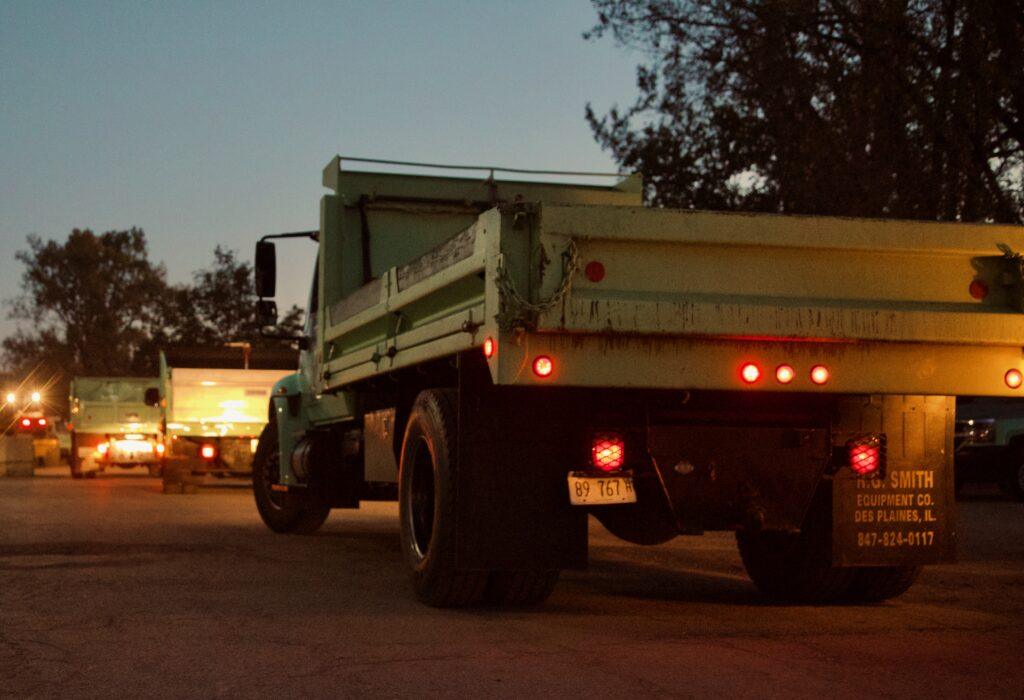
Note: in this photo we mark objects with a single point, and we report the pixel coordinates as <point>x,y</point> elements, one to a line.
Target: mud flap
<point>907,514</point>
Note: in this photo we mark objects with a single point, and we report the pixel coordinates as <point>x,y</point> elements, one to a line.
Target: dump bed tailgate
<point>786,277</point>
<point>667,298</point>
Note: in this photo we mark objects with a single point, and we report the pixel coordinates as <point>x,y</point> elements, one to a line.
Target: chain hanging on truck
<point>517,312</point>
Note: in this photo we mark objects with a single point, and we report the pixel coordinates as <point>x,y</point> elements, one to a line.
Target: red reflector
<point>489,347</point>
<point>785,374</point>
<point>750,373</point>
<point>1014,379</point>
<point>608,452</point>
<point>543,366</point>
<point>978,289</point>
<point>594,271</point>
<point>208,451</point>
<point>820,374</point>
<point>26,422</point>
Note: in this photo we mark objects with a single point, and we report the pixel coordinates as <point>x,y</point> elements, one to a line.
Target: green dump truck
<point>213,407</point>
<point>111,424</point>
<point>509,357</point>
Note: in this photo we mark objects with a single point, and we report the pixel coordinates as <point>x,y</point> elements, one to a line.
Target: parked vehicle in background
<point>213,404</point>
<point>111,425</point>
<point>513,356</point>
<point>990,443</point>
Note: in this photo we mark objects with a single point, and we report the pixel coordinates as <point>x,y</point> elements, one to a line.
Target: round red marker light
<point>489,347</point>
<point>820,374</point>
<point>543,366</point>
<point>750,373</point>
<point>978,289</point>
<point>785,374</point>
<point>1014,379</point>
<point>594,271</point>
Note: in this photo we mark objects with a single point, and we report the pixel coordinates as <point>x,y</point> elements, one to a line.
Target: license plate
<point>589,490</point>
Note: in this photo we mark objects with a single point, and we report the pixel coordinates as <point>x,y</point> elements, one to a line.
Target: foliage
<point>896,108</point>
<point>96,305</point>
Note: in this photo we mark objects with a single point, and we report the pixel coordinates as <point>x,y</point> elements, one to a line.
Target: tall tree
<point>898,108</point>
<point>219,305</point>
<point>91,300</point>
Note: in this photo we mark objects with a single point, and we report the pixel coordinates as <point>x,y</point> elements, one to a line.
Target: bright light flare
<point>11,397</point>
<point>36,397</point>
<point>208,451</point>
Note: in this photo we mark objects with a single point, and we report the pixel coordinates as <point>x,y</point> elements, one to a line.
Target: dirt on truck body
<point>510,356</point>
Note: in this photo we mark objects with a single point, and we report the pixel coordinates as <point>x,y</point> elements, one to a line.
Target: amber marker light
<point>1014,379</point>
<point>785,374</point>
<point>820,374</point>
<point>543,366</point>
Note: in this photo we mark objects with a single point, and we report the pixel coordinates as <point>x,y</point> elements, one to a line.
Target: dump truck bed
<point>113,405</point>
<point>685,299</point>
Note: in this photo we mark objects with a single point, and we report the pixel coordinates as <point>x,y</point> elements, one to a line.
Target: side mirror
<point>266,270</point>
<point>266,313</point>
<point>152,397</point>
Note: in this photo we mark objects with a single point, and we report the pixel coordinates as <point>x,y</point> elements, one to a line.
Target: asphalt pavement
<point>110,588</point>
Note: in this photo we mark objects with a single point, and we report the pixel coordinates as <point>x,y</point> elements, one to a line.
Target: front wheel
<point>282,512</point>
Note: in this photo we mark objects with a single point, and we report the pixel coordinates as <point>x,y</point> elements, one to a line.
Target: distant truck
<point>111,425</point>
<point>511,357</point>
<point>990,443</point>
<point>213,406</point>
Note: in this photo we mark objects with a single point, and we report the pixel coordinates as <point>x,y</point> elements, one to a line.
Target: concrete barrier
<point>17,455</point>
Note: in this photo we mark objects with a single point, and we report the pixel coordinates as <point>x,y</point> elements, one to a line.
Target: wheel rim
<point>421,499</point>
<point>270,475</point>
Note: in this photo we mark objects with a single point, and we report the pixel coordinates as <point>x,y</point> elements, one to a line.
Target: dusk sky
<point>207,123</point>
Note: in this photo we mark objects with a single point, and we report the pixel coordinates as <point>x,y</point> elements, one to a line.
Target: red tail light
<point>865,455</point>
<point>750,373</point>
<point>42,422</point>
<point>608,452</point>
<point>489,347</point>
<point>820,374</point>
<point>785,374</point>
<point>1014,379</point>
<point>543,366</point>
<point>25,422</point>
<point>208,451</point>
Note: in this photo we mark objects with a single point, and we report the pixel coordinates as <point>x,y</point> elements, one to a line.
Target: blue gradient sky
<point>209,123</point>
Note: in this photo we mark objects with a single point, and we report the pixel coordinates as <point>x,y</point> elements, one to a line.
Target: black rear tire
<point>286,513</point>
<point>74,461</point>
<point>875,584</point>
<point>519,588</point>
<point>427,497</point>
<point>797,567</point>
<point>1015,478</point>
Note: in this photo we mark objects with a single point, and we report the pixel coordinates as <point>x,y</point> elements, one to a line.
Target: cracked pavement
<point>108,587</point>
